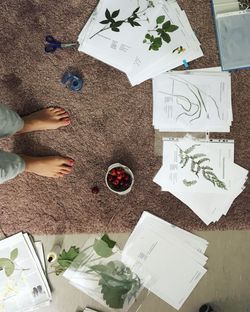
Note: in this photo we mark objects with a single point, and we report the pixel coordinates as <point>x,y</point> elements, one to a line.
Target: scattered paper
<point>23,286</point>
<point>173,257</point>
<point>202,174</point>
<point>140,37</point>
<point>192,101</point>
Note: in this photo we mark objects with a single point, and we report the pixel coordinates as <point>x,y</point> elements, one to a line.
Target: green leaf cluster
<point>65,259</point>
<point>7,265</point>
<point>162,29</point>
<point>117,283</point>
<point>103,246</point>
<point>196,166</point>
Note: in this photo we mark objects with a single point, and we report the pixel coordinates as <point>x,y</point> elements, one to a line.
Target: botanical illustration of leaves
<point>166,25</point>
<point>172,28</point>
<point>107,14</point>
<point>115,13</point>
<point>14,254</point>
<point>185,161</point>
<point>9,269</point>
<point>198,156</point>
<point>166,37</point>
<point>105,22</point>
<point>202,160</point>
<point>115,29</point>
<point>136,24</point>
<point>117,24</point>
<point>189,183</point>
<point>136,10</point>
<point>193,165</point>
<point>191,148</point>
<point>160,19</point>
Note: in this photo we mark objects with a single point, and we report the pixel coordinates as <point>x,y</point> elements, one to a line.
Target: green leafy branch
<point>102,247</point>
<point>7,264</point>
<point>161,29</point>
<point>197,166</point>
<point>114,24</point>
<point>117,282</point>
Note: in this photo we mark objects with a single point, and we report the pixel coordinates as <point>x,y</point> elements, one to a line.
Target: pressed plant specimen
<point>197,166</point>
<point>155,37</point>
<point>113,23</point>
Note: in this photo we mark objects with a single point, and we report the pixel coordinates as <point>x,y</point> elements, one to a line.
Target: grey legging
<point>10,164</point>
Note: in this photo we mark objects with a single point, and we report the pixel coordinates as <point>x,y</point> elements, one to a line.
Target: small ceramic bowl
<point>122,174</point>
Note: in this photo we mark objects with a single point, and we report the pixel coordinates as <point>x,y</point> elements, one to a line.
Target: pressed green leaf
<point>152,38</point>
<point>116,24</point>
<point>198,156</point>
<point>9,269</point>
<point>108,241</point>
<point>191,148</point>
<point>172,28</point>
<point>107,14</point>
<point>189,183</point>
<point>202,160</point>
<point>166,37</point>
<point>115,29</point>
<point>160,19</point>
<point>137,24</point>
<point>136,10</point>
<point>14,254</point>
<point>104,22</point>
<point>166,25</point>
<point>144,41</point>
<point>102,248</point>
<point>71,254</point>
<point>64,263</point>
<point>115,13</point>
<point>158,41</point>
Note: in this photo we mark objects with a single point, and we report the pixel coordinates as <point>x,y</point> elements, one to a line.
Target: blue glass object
<point>73,82</point>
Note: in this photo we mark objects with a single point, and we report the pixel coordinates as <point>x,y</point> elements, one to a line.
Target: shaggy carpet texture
<point>111,122</point>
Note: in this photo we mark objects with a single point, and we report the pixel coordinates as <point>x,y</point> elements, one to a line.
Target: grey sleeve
<point>10,121</point>
<point>10,166</point>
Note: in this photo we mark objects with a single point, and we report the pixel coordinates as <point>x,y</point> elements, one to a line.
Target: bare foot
<point>48,166</point>
<point>47,118</point>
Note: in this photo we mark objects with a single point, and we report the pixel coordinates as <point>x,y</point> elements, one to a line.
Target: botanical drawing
<point>7,264</point>
<point>192,109</point>
<point>155,37</point>
<point>197,166</point>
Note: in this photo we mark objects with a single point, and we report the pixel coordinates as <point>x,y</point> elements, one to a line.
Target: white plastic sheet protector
<point>81,275</point>
<point>23,284</point>
<point>173,257</point>
<point>126,49</point>
<point>232,21</point>
<point>193,181</point>
<point>192,101</point>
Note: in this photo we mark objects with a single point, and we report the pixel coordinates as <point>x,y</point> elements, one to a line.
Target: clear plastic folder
<point>232,21</point>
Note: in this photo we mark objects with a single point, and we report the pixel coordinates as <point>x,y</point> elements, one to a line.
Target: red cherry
<point>119,177</point>
<point>116,182</point>
<point>95,190</point>
<point>113,172</point>
<point>126,178</point>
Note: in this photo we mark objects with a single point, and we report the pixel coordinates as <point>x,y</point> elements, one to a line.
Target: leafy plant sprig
<point>112,23</point>
<point>161,29</point>
<point>197,165</point>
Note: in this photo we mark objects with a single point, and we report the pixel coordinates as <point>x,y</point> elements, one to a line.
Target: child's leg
<point>10,166</point>
<point>10,121</point>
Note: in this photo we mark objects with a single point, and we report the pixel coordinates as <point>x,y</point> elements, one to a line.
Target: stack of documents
<point>202,174</point>
<point>173,257</point>
<point>192,101</point>
<point>140,37</point>
<point>23,286</point>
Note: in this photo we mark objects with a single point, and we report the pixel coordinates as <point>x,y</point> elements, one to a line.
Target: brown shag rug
<point>111,121</point>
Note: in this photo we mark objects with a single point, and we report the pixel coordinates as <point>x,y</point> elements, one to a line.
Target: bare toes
<point>64,121</point>
<point>62,115</point>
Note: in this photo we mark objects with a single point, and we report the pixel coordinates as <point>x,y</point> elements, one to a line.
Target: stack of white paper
<point>23,286</point>
<point>192,101</point>
<point>142,38</point>
<point>173,257</point>
<point>202,174</point>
